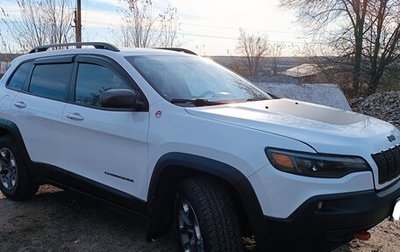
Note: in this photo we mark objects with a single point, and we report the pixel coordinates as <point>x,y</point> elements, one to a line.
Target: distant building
<point>319,93</point>
<point>269,65</point>
<point>307,73</point>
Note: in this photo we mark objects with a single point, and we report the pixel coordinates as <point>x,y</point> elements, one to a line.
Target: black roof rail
<point>176,49</point>
<point>97,45</point>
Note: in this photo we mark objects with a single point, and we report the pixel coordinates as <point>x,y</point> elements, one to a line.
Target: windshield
<point>187,80</point>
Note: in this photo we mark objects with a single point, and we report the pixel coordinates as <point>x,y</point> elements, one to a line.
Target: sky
<point>208,27</point>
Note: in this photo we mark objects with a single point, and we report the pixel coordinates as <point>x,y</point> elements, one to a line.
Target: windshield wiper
<point>257,99</point>
<point>196,102</point>
<point>261,98</point>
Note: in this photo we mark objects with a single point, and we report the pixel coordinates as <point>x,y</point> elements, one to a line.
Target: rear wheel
<point>15,180</point>
<point>205,217</point>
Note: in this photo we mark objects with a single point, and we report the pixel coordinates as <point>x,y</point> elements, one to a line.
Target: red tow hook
<point>363,235</point>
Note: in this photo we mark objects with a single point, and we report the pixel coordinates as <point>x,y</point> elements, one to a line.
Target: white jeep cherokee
<point>179,139</point>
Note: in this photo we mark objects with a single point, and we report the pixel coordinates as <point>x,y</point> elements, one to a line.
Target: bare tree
<point>169,25</point>
<point>382,40</point>
<point>3,44</point>
<point>142,28</point>
<point>60,16</point>
<point>40,22</point>
<point>253,48</point>
<point>365,33</point>
<point>275,52</point>
<point>139,23</point>
<point>5,49</point>
<point>5,52</point>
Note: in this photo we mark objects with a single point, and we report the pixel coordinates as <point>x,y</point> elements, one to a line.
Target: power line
<point>198,25</point>
<point>235,28</point>
<point>223,37</point>
<point>235,38</point>
<point>190,34</point>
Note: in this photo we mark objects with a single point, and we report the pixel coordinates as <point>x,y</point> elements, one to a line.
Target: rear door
<point>38,108</point>
<point>108,146</point>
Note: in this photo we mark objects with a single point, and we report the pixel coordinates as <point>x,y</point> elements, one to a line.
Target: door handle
<point>20,104</point>
<point>75,116</point>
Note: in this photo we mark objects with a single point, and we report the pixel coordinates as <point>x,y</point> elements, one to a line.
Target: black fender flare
<point>10,128</point>
<point>201,164</point>
<point>222,171</point>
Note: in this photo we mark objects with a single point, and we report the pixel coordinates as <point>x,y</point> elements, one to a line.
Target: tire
<point>15,180</point>
<point>205,217</point>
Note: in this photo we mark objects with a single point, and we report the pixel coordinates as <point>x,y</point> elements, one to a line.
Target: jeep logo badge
<point>391,138</point>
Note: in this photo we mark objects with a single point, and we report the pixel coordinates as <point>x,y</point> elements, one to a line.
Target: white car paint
<point>349,133</point>
<point>39,123</point>
<point>107,143</point>
<point>235,134</point>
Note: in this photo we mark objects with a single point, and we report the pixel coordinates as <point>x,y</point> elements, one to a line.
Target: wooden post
<point>78,22</point>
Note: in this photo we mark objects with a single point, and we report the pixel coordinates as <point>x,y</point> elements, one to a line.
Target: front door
<point>108,146</point>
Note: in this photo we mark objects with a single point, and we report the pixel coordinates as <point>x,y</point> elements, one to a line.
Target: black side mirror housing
<point>119,99</point>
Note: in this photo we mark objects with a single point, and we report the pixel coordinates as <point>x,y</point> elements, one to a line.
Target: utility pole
<point>78,22</point>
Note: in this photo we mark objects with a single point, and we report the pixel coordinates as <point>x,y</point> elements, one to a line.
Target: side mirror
<point>118,99</point>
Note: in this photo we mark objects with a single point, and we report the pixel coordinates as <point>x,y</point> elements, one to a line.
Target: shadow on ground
<point>56,220</point>
<point>63,221</point>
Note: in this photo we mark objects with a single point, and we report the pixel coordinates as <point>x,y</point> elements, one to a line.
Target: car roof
<point>150,51</point>
<point>100,48</point>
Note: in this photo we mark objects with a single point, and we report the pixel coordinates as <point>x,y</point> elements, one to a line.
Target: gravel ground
<point>385,106</point>
<point>55,220</point>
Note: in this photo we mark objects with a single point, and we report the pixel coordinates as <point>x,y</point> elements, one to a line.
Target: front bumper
<point>327,221</point>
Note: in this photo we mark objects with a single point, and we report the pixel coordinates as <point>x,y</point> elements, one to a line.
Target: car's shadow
<point>57,220</point>
<point>66,221</point>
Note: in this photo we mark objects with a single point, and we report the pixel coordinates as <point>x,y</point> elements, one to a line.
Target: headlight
<point>315,165</point>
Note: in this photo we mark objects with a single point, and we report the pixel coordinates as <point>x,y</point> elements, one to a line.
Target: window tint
<point>50,80</point>
<point>93,80</point>
<point>18,79</point>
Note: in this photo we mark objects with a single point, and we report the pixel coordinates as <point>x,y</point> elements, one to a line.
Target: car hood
<point>326,129</point>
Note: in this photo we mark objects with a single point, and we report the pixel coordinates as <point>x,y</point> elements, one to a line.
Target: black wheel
<point>15,180</point>
<point>205,217</point>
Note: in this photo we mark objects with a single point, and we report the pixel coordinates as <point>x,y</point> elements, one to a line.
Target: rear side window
<point>51,80</point>
<point>18,79</point>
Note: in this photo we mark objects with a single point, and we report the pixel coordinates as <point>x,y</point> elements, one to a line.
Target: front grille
<point>388,163</point>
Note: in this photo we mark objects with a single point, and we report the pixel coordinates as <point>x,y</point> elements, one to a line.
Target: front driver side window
<point>92,80</point>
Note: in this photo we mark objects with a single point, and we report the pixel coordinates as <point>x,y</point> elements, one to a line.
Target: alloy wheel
<point>189,228</point>
<point>8,169</point>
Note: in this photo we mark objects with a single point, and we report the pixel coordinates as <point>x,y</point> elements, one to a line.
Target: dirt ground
<point>55,220</point>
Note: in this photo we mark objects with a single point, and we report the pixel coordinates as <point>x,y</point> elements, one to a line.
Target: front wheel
<point>205,217</point>
<point>15,180</point>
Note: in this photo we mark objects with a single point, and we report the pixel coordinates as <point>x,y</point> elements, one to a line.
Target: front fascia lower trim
<point>334,217</point>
